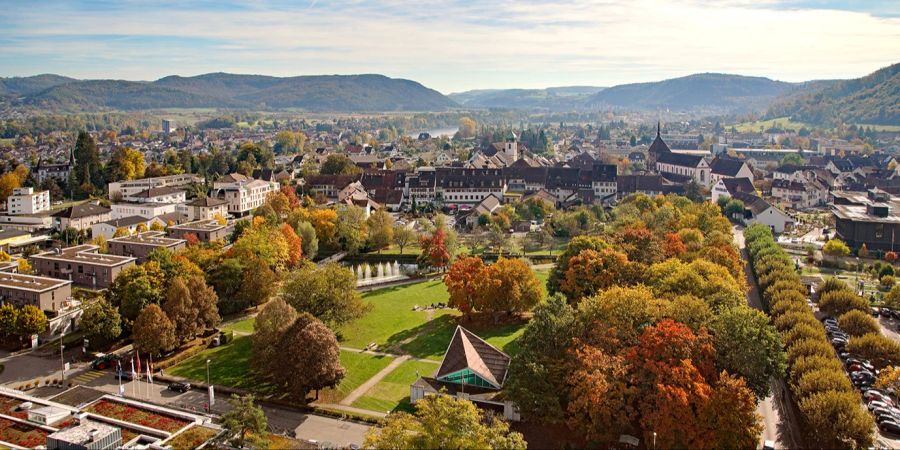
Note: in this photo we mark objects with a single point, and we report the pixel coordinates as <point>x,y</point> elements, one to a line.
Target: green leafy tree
<point>31,320</point>
<point>442,421</point>
<point>308,239</point>
<point>748,345</point>
<point>9,318</point>
<point>101,320</point>
<point>271,323</point>
<point>825,410</point>
<point>246,422</point>
<point>328,293</point>
<point>381,229</point>
<point>403,236</point>
<point>352,229</point>
<point>337,164</point>
<point>836,248</point>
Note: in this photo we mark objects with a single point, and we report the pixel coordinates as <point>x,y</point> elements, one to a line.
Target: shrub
<point>803,331</point>
<point>830,284</point>
<point>887,281</point>
<point>890,256</point>
<point>858,323</point>
<point>808,347</point>
<point>792,318</point>
<point>806,364</point>
<point>836,303</point>
<point>821,380</point>
<point>880,350</point>
<point>839,418</point>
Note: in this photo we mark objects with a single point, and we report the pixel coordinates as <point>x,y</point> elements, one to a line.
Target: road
<point>782,432</point>
<point>27,367</point>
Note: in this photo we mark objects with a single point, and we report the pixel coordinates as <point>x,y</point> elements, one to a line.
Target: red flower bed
<point>8,406</point>
<point>140,416</point>
<point>21,434</point>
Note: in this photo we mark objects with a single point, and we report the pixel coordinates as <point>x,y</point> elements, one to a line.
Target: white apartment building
<point>122,189</point>
<point>244,196</point>
<point>145,210</point>
<point>25,201</point>
<point>158,195</point>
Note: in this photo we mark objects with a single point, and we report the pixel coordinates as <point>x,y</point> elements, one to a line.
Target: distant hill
<point>554,98</point>
<point>872,99</point>
<point>708,92</point>
<point>30,85</point>
<point>221,90</point>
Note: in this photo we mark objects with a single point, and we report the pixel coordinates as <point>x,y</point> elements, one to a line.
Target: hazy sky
<point>452,45</point>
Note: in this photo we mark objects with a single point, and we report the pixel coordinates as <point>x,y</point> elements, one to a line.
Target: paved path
<point>776,428</point>
<point>363,388</point>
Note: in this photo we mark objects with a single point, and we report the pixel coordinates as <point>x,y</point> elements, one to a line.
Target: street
<point>23,368</point>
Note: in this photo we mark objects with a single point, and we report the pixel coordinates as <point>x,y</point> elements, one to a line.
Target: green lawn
<point>360,367</point>
<point>392,318</point>
<point>392,392</point>
<point>230,366</point>
<point>783,122</point>
<point>242,326</point>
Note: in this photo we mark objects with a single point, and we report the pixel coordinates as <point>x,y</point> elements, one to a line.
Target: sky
<point>452,45</point>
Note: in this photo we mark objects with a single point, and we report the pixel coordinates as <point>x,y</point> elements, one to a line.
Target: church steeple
<point>657,128</point>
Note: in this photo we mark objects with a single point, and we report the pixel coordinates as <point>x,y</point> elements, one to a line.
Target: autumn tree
<point>888,378</point>
<point>575,246</point>
<point>327,293</point>
<point>836,303</point>
<point>443,421</point>
<point>31,320</point>
<point>730,414</point>
<point>592,271</point>
<point>836,248</point>
<point>826,409</point>
<point>879,349</point>
<point>600,393</point>
<point>858,323</point>
<point>434,250</point>
<point>294,244</point>
<point>125,163</point>
<point>352,229</point>
<point>465,281</point>
<point>270,325</point>
<point>262,242</point>
<point>153,332</point>
<point>135,288</point>
<point>309,357</point>
<point>9,319</point>
<point>381,229</point>
<point>513,287</point>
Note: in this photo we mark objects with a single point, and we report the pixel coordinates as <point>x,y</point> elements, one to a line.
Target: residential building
<point>25,200</point>
<point>205,230</point>
<point>140,245</point>
<point>242,194</point>
<point>145,210</point>
<point>81,217</point>
<point>728,187</point>
<point>207,208</point>
<point>870,218</point>
<point>48,294</point>
<point>757,210</point>
<point>169,126</point>
<point>799,195</point>
<point>471,368</point>
<point>60,172</point>
<point>122,189</point>
<point>131,224</point>
<point>82,265</point>
<point>157,195</point>
<point>721,168</point>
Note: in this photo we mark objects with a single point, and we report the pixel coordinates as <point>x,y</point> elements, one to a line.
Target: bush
<point>830,284</point>
<point>887,281</point>
<point>886,270</point>
<point>890,256</point>
<point>809,347</point>
<point>793,318</point>
<point>821,380</point>
<point>858,323</point>
<point>812,363</point>
<point>839,419</point>
<point>803,331</point>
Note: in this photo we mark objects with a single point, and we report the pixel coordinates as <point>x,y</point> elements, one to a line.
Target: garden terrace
<point>22,434</point>
<point>191,438</point>
<point>136,415</point>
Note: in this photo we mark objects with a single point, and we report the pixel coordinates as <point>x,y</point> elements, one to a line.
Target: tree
<point>825,410</point>
<point>338,164</point>
<point>512,287</point>
<point>179,308</point>
<point>467,127</point>
<point>351,231</point>
<point>86,175</point>
<point>575,246</point>
<point>879,349</point>
<point>539,240</point>
<point>465,281</point>
<point>599,392</point>
<point>863,251</point>
<point>749,346</point>
<point>258,284</point>
<point>270,326</point>
<point>308,240</point>
<point>443,421</point>
<point>246,420</point>
<point>294,244</point>
<point>265,243</point>
<point>125,163</point>
<point>327,293</point>
<point>537,373</point>
<point>31,320</point>
<point>592,271</point>
<point>836,303</point>
<point>403,236</point>
<point>9,319</point>
<point>279,203</point>
<point>734,207</point>
<point>434,250</point>
<point>309,357</point>
<point>858,323</point>
<point>153,331</point>
<point>888,378</point>
<point>730,413</point>
<point>121,232</point>
<point>101,320</point>
<point>381,229</point>
<point>836,248</point>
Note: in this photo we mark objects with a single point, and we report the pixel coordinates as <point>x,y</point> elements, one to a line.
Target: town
<point>345,225</point>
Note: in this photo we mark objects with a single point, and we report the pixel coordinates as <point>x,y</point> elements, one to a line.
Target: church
<point>677,167</point>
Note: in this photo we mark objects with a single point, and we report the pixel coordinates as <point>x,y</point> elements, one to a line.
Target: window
<point>879,231</point>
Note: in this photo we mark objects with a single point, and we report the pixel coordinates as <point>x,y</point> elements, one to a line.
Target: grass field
<point>392,392</point>
<point>783,122</point>
<point>230,366</point>
<point>242,326</point>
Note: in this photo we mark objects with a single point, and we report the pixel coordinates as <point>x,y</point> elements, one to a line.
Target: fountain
<point>382,272</point>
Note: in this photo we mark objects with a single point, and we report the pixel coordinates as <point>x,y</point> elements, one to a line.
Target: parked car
<point>179,387</point>
<point>865,364</point>
<point>889,426</point>
<point>104,360</point>
<point>875,312</point>
<point>886,312</point>
<point>877,404</point>
<point>875,394</point>
<point>125,375</point>
<point>839,342</point>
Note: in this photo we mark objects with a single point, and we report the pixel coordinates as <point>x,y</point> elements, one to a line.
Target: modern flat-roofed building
<point>48,294</point>
<point>25,200</point>
<point>145,210</point>
<point>158,195</point>
<point>122,189</point>
<point>871,218</point>
<point>82,265</point>
<point>86,435</point>
<point>140,245</point>
<point>242,194</point>
<point>205,230</point>
<point>131,224</point>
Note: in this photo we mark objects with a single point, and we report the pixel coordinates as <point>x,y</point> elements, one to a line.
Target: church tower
<point>511,148</point>
<point>657,148</point>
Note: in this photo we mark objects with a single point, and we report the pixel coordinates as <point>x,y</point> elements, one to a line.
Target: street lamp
<point>207,371</point>
<point>654,440</point>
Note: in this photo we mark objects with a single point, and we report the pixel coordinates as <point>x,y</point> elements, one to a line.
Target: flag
<point>133,373</point>
<point>149,375</point>
<point>138,361</point>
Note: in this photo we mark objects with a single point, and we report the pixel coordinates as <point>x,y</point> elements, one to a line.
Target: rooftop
<point>153,238</point>
<point>84,254</point>
<point>200,225</point>
<point>83,210</point>
<point>83,433</point>
<point>156,192</point>
<point>30,282</point>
